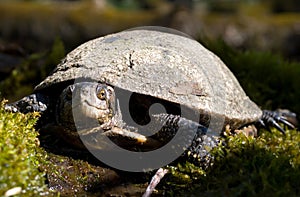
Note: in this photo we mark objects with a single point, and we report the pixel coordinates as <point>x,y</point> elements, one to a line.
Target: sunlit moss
<point>267,165</point>
<point>19,157</point>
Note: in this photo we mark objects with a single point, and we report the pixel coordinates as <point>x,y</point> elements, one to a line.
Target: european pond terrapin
<point>141,88</point>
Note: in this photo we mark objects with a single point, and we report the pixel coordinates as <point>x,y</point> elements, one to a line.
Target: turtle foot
<point>273,118</point>
<point>32,103</point>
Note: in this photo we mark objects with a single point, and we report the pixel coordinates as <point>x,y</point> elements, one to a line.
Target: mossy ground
<point>245,166</point>
<point>19,157</point>
<point>28,169</point>
<point>263,166</point>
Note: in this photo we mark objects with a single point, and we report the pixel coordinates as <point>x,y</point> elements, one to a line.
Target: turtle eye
<point>101,94</point>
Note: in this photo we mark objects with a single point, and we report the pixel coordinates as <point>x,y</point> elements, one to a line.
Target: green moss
<point>256,167</point>
<point>19,157</point>
<point>263,166</point>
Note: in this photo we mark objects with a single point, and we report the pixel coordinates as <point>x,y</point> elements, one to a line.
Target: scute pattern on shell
<point>163,65</point>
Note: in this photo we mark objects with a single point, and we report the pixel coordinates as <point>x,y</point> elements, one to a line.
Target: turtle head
<point>86,105</point>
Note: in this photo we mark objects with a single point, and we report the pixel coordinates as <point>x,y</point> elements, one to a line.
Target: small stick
<point>160,173</point>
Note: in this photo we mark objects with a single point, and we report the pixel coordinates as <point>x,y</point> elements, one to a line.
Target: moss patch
<point>263,166</point>
<point>19,158</point>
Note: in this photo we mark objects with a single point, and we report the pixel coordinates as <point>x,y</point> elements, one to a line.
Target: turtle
<point>138,88</point>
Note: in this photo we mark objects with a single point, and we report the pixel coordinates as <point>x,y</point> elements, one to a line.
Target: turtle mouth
<point>101,112</point>
<point>95,106</point>
<point>91,105</point>
<point>87,115</point>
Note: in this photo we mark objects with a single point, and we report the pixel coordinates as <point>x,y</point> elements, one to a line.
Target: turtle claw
<point>277,126</point>
<point>286,122</point>
<point>261,123</point>
<point>272,119</point>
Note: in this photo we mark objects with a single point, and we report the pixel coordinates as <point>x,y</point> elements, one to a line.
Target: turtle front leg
<point>32,103</point>
<point>273,118</point>
<point>198,152</point>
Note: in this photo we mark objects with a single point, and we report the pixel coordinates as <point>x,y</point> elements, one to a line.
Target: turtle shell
<point>163,65</point>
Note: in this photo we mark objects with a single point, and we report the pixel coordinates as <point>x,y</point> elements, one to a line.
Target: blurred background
<point>258,40</point>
